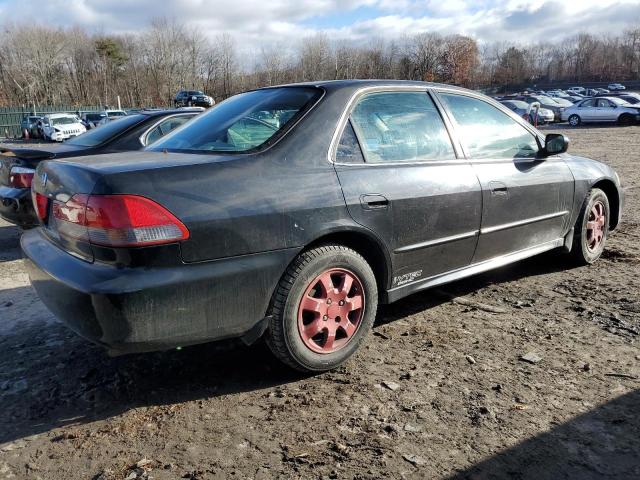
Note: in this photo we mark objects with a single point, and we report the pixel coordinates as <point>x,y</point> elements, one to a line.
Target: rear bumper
<point>16,207</point>
<point>145,309</point>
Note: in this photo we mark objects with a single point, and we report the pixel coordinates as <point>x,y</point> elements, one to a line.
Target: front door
<point>402,179</point>
<point>526,200</point>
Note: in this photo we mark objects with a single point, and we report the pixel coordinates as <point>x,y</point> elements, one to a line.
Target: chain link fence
<point>11,117</point>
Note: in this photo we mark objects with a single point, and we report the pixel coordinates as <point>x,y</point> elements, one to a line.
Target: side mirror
<point>555,143</point>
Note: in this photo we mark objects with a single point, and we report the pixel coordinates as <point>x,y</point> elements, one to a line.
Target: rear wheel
<point>591,229</point>
<point>625,119</point>
<point>323,308</point>
<point>574,120</point>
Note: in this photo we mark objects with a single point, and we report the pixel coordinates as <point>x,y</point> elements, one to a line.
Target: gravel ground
<point>438,391</point>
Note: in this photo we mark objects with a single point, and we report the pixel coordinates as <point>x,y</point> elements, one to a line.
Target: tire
<point>587,244</point>
<point>574,120</point>
<point>300,336</point>
<point>625,119</point>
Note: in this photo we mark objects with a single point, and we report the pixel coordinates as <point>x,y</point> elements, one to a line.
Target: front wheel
<point>626,119</point>
<point>591,229</point>
<point>574,120</point>
<point>323,308</point>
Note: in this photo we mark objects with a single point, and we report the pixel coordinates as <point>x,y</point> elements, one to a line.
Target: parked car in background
<point>601,109</point>
<point>291,212</point>
<point>193,98</point>
<point>557,93</point>
<point>93,119</point>
<point>602,90</point>
<point>592,92</point>
<point>547,102</point>
<point>616,86</point>
<point>30,125</point>
<point>133,132</point>
<point>528,112</point>
<point>60,126</point>
<point>113,114</point>
<point>576,89</point>
<point>631,98</point>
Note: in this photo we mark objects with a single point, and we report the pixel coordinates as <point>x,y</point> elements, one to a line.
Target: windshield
<point>619,101</point>
<point>517,104</point>
<point>105,133</point>
<point>64,120</point>
<point>563,102</point>
<point>243,122</point>
<point>545,99</point>
<point>194,92</point>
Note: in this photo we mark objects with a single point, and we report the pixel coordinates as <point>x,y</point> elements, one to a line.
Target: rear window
<point>106,132</point>
<point>243,123</point>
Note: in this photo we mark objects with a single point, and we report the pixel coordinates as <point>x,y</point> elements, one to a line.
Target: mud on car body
<point>291,212</point>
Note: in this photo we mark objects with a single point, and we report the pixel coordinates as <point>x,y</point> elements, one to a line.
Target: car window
<point>603,102</point>
<point>401,126</point>
<point>349,150</point>
<point>165,127</point>
<point>588,103</point>
<point>242,123</point>
<point>487,132</point>
<point>153,135</point>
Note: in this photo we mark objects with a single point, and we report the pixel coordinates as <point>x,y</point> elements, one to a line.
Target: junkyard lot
<point>438,391</point>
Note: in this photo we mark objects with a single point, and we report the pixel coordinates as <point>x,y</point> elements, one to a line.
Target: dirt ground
<point>439,391</point>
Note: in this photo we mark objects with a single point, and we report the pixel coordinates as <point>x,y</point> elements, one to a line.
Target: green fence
<point>11,117</point>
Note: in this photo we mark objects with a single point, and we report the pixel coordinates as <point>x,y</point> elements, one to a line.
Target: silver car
<point>601,109</point>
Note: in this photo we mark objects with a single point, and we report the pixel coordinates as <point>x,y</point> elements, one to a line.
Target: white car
<point>601,109</point>
<point>60,126</point>
<point>576,90</point>
<point>616,86</point>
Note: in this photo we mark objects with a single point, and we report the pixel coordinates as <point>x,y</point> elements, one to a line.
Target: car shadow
<point>51,377</point>
<point>602,443</point>
<point>543,264</point>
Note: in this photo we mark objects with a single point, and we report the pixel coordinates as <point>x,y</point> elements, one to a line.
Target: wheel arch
<point>366,244</point>
<point>611,191</point>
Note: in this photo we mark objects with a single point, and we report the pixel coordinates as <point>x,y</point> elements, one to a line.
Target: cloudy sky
<point>256,22</point>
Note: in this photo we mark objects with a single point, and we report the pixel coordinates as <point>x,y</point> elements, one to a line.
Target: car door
<point>526,200</point>
<point>606,110</point>
<point>403,179</point>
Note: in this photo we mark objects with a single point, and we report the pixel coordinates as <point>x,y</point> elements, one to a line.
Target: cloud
<point>255,23</point>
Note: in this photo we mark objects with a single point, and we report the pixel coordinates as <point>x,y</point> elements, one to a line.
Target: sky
<point>258,22</point>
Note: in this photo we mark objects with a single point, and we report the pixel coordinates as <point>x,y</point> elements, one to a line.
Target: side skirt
<point>399,292</point>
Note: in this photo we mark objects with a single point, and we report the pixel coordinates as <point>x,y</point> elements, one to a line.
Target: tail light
<point>117,220</point>
<point>40,203</point>
<point>21,177</point>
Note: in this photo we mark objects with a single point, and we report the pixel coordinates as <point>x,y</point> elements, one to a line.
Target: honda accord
<point>291,212</point>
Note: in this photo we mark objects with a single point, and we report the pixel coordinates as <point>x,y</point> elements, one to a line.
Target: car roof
<point>332,85</point>
<point>172,111</point>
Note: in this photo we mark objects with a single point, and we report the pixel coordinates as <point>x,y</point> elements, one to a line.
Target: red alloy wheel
<point>331,310</point>
<point>595,226</point>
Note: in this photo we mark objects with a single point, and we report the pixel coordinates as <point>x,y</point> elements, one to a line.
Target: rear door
<point>526,199</point>
<point>403,179</point>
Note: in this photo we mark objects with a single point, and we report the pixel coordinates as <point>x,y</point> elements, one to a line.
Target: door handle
<point>498,189</point>
<point>373,201</point>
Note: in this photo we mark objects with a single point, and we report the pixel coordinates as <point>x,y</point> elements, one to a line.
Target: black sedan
<point>291,212</point>
<point>133,132</point>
